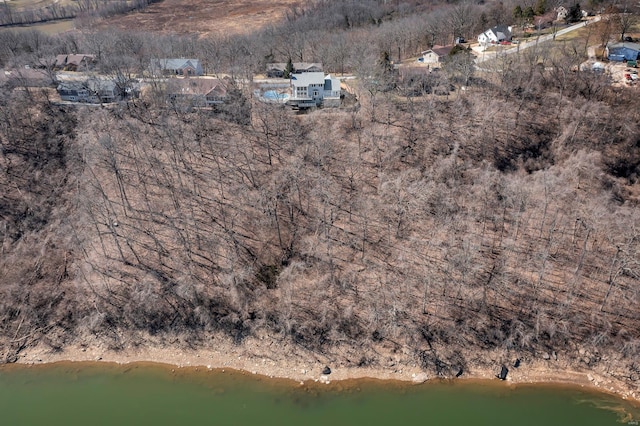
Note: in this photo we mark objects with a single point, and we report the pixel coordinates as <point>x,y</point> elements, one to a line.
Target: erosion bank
<point>278,360</point>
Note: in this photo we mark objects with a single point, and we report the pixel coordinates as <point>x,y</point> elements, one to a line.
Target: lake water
<point>89,394</point>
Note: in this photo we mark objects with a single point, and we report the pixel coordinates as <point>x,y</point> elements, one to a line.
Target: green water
<point>86,394</point>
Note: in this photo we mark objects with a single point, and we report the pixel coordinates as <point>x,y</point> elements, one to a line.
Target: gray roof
<point>307,78</point>
<point>176,63</point>
<point>626,44</point>
<point>72,85</point>
<point>99,84</point>
<point>296,66</point>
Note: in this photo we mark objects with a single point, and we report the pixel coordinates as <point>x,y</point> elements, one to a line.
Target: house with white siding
<point>313,89</point>
<point>495,35</point>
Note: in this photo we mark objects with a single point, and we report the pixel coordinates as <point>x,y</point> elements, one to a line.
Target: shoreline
<point>308,369</point>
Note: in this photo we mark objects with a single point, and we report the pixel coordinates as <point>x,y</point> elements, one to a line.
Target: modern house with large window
<point>313,89</point>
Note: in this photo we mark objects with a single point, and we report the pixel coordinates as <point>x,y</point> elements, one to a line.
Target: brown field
<point>51,28</point>
<point>203,17</point>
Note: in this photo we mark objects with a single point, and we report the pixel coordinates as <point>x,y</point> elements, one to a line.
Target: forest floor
<point>282,360</point>
<point>203,17</point>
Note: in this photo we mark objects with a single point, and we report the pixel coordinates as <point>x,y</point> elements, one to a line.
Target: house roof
<point>196,87</point>
<point>297,66</point>
<point>441,50</point>
<point>307,66</point>
<point>72,85</point>
<point>499,31</point>
<point>307,78</point>
<point>624,45</point>
<point>101,85</point>
<point>175,63</point>
<point>73,59</point>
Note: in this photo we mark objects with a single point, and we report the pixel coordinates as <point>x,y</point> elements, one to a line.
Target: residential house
<point>105,90</point>
<point>544,21</point>
<point>312,89</point>
<point>196,92</point>
<point>624,51</point>
<point>277,70</point>
<point>561,13</point>
<point>93,90</point>
<point>74,62</point>
<point>435,55</point>
<point>179,66</point>
<point>75,91</point>
<point>495,35</point>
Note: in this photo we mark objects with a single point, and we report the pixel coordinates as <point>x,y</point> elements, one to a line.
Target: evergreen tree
<point>541,7</point>
<point>517,13</point>
<point>288,69</point>
<point>575,14</point>
<point>528,13</point>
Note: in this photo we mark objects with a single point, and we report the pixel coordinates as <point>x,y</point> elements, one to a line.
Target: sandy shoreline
<point>261,359</point>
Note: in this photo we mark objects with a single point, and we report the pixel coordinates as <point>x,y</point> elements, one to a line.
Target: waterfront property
<point>196,92</point>
<point>313,89</point>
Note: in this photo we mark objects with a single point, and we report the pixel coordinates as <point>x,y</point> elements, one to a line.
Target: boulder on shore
<point>326,370</point>
<point>503,373</point>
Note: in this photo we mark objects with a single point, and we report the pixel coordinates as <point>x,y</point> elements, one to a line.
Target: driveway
<point>485,56</point>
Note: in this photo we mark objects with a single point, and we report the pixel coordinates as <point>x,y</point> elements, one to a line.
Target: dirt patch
<point>203,17</point>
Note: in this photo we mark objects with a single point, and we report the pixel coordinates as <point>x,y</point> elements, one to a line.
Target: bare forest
<point>437,224</point>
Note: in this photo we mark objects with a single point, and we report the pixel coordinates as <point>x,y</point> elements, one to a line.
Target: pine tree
<point>517,13</point>
<point>575,13</point>
<point>288,69</point>
<point>541,7</point>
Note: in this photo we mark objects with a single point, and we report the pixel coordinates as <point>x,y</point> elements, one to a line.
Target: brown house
<point>276,70</point>
<point>196,92</point>
<point>74,62</point>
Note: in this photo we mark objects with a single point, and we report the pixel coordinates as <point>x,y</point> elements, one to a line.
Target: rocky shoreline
<point>263,358</point>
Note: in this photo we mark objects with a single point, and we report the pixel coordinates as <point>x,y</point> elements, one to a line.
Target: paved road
<point>485,56</point>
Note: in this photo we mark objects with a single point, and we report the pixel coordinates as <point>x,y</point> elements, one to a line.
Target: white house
<point>562,12</point>
<point>312,89</point>
<point>495,35</point>
<point>435,55</point>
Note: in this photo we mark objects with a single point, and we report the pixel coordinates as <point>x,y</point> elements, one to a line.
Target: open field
<point>50,28</point>
<point>34,4</point>
<point>205,17</point>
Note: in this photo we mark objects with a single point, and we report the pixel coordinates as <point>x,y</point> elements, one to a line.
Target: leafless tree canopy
<point>502,217</point>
